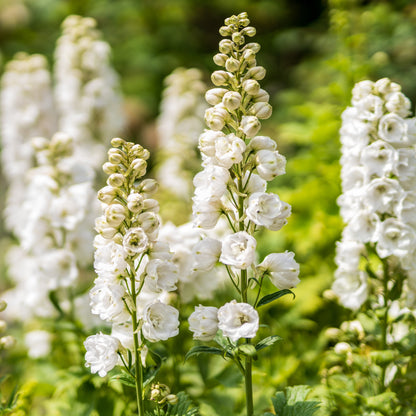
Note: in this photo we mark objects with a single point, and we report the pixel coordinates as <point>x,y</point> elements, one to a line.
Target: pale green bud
<point>172,399</point>
<point>214,95</point>
<point>249,31</point>
<point>225,46</point>
<point>110,168</point>
<point>262,143</point>
<point>251,86</point>
<point>116,180</point>
<point>3,305</point>
<point>135,202</point>
<point>220,59</point>
<point>225,31</point>
<point>139,151</point>
<point>151,205</point>
<point>219,78</point>
<point>261,96</point>
<point>103,228</point>
<point>115,214</point>
<point>149,221</point>
<point>249,55</point>
<point>261,110</point>
<point>138,166</point>
<point>115,156</point>
<point>232,64</point>
<point>215,117</point>
<point>149,186</point>
<point>232,100</point>
<point>342,348</point>
<point>107,194</point>
<point>254,46</point>
<point>257,72</point>
<point>238,38</point>
<point>117,142</point>
<point>232,20</point>
<point>243,16</point>
<point>3,326</point>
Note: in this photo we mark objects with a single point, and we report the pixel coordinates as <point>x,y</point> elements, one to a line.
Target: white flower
<point>238,320</point>
<point>392,129</point>
<point>267,210</point>
<point>351,288</point>
<point>382,195</point>
<point>229,150</point>
<point>370,108</point>
<point>203,322</point>
<point>107,301</point>
<point>398,103</point>
<point>207,142</point>
<point>135,241</point>
<point>161,275</point>
<point>363,226</point>
<point>238,250</point>
<point>101,353</point>
<point>38,343</point>
<point>250,125</point>
<point>282,269</point>
<point>395,238</point>
<point>211,182</point>
<point>361,90</point>
<point>160,322</point>
<point>270,164</point>
<point>124,333</point>
<point>379,158</point>
<point>206,254</point>
<point>262,143</point>
<point>206,212</point>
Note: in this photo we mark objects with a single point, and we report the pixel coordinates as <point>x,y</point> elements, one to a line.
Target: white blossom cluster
<point>378,175</point>
<point>179,125</point>
<point>237,164</point>
<point>58,205</point>
<point>27,110</point>
<point>86,88</point>
<point>135,271</point>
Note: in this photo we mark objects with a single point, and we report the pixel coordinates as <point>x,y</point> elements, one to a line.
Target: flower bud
<point>232,65</point>
<point>249,55</point>
<point>262,143</point>
<point>225,46</point>
<point>225,31</point>
<point>117,142</point>
<point>110,168</point>
<point>261,110</point>
<point>250,125</point>
<point>115,156</point>
<point>254,46</point>
<point>215,117</point>
<point>232,100</point>
<point>116,180</point>
<point>251,86</point>
<point>107,194</point>
<point>261,96</point>
<point>135,202</point>
<point>148,186</point>
<point>257,72</point>
<point>115,214</point>
<point>3,326</point>
<point>220,59</point>
<point>342,348</point>
<point>149,222</point>
<point>151,205</point>
<point>138,166</point>
<point>250,31</point>
<point>172,399</point>
<point>243,16</point>
<point>219,78</point>
<point>214,95</point>
<point>103,228</point>
<point>139,152</point>
<point>3,305</point>
<point>238,38</point>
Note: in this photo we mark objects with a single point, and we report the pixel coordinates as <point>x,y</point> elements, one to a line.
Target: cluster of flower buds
<point>237,165</point>
<point>378,175</point>
<point>135,271</point>
<point>161,394</point>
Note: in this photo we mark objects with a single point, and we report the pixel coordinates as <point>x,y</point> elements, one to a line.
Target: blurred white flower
<point>203,322</point>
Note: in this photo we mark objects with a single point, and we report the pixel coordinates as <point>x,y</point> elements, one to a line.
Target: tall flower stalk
<point>237,166</point>
<point>376,255</point>
<point>135,271</point>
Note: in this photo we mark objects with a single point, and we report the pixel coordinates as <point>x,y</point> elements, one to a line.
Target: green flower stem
<point>138,361</point>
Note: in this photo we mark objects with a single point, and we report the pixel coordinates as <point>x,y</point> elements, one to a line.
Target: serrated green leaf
<point>204,349</point>
<point>267,342</point>
<point>273,296</point>
<point>293,402</point>
<point>279,402</point>
<point>183,407</point>
<point>296,394</point>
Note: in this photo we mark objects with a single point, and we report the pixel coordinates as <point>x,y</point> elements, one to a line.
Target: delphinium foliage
<point>237,164</point>
<point>375,258</point>
<point>135,274</point>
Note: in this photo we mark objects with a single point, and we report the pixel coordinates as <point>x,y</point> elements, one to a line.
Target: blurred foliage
<point>314,51</point>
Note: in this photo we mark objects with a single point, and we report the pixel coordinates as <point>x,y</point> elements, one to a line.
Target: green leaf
<point>183,407</point>
<point>151,370</point>
<point>293,402</point>
<point>267,342</point>
<point>204,349</point>
<point>125,379</point>
<point>273,296</point>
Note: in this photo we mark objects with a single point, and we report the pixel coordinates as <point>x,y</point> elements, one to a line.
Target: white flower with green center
<point>238,250</point>
<point>203,322</point>
<point>160,322</point>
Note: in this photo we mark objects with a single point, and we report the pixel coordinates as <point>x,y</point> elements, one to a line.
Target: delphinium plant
<point>237,164</point>
<point>372,364</point>
<point>135,274</point>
